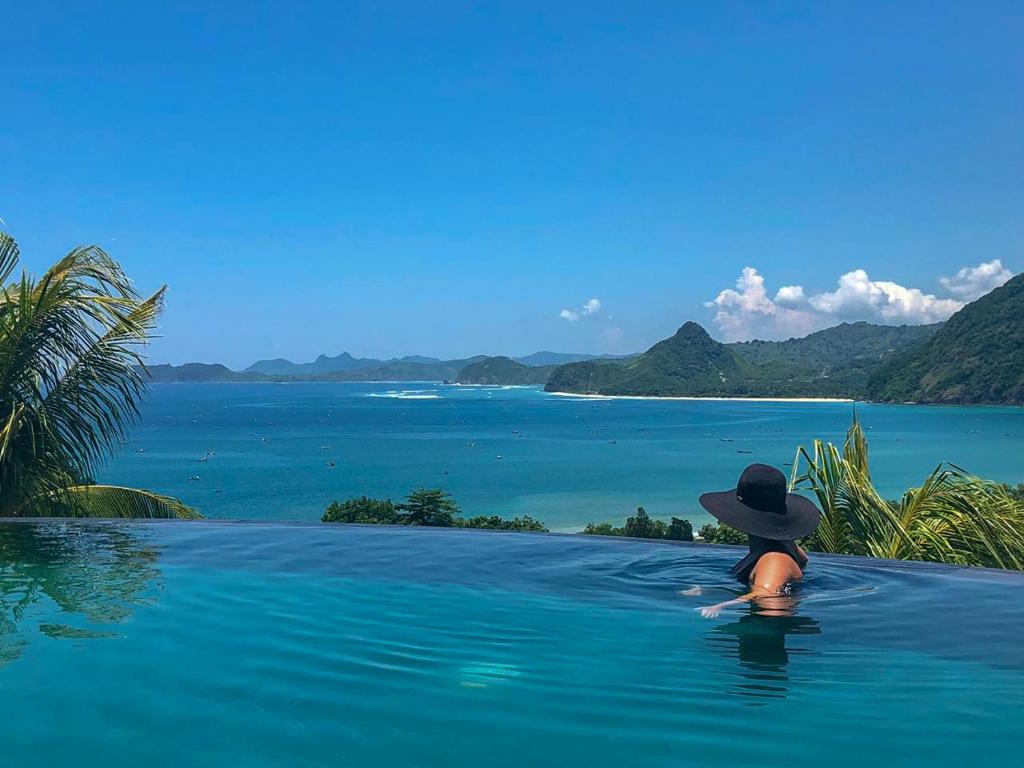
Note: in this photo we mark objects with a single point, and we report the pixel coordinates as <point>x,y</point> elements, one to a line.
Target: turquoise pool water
<point>234,644</point>
<point>564,461</point>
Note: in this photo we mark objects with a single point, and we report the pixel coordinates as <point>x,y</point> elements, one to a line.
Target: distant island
<point>532,369</point>
<point>977,356</point>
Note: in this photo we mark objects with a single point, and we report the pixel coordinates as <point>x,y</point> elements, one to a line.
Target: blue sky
<point>447,178</point>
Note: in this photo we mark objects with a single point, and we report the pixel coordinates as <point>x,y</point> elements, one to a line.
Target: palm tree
<point>70,386</point>
<point>428,506</point>
<point>953,517</point>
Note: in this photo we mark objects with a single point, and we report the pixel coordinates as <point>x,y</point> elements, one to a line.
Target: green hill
<point>977,356</point>
<point>690,363</point>
<point>836,362</point>
<point>503,370</point>
<point>202,372</point>
<point>849,344</point>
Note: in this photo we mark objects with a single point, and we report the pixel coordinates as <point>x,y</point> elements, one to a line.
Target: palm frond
<point>117,501</point>
<point>70,387</point>
<point>952,517</point>
<point>8,256</point>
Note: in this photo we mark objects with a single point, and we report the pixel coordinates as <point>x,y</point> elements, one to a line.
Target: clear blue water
<point>234,644</point>
<point>565,461</point>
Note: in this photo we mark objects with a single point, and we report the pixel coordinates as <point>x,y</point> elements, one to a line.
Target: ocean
<point>285,451</point>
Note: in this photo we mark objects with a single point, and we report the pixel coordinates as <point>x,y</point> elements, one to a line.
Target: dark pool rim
<point>853,561</point>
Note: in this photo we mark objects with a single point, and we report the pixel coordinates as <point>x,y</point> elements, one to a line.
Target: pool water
<point>242,644</point>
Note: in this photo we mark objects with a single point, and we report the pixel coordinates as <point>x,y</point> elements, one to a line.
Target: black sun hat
<point>759,505</point>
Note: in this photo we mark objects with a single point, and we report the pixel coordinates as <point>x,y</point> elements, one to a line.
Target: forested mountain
<point>198,372</point>
<point>848,344</point>
<point>690,363</point>
<point>977,356</point>
<point>538,359</point>
<point>503,370</point>
<point>836,362</point>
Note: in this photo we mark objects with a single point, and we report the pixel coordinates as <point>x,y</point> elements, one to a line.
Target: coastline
<point>724,399</point>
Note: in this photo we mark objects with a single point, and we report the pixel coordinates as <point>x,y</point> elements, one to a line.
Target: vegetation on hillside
<point>70,386</point>
<point>976,357</point>
<point>503,370</point>
<point>836,362</point>
<point>688,363</point>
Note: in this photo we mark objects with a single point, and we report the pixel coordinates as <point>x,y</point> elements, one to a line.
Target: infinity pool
<point>234,644</point>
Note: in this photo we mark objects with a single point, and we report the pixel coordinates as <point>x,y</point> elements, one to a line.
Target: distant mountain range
<point>346,363</point>
<point>531,369</point>
<point>977,356</point>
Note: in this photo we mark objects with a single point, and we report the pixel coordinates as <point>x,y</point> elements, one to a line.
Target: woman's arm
<point>772,572</point>
<point>711,611</point>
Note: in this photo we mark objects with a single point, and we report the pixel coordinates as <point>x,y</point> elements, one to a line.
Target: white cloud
<point>747,311</point>
<point>858,297</point>
<point>790,294</point>
<point>591,307</point>
<point>971,283</point>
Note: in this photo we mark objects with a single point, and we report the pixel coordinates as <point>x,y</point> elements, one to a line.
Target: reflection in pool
<point>259,645</point>
<point>94,574</point>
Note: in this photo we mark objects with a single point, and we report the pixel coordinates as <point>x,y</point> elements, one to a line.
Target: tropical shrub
<point>643,526</point>
<point>71,380</point>
<point>953,517</point>
<point>425,506</point>
<point>721,534</point>
<point>496,523</point>
<point>428,506</point>
<point>362,510</point>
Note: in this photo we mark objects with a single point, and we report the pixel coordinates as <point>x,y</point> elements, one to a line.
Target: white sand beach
<point>727,399</point>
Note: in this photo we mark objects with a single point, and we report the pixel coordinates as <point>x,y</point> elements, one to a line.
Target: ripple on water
<point>313,645</point>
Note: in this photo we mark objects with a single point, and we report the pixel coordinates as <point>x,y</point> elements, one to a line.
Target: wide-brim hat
<point>759,505</point>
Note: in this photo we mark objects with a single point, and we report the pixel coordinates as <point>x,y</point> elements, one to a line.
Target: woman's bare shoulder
<point>776,568</point>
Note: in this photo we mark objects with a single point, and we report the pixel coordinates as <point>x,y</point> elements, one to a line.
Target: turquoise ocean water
<point>283,452</point>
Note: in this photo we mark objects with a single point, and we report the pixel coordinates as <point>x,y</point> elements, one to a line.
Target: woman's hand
<point>712,611</point>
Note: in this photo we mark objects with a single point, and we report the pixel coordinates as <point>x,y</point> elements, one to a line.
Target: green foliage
<point>977,356</point>
<point>362,510</point>
<point>642,526</point>
<point>832,363</point>
<point>953,517</point>
<point>835,362</point>
<point>721,534</point>
<point>424,506</point>
<point>428,506</point>
<point>602,529</point>
<point>503,370</point>
<point>688,363</point>
<point>679,530</point>
<point>496,523</point>
<point>70,386</point>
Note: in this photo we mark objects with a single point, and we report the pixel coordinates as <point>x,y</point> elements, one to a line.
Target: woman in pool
<point>773,520</point>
